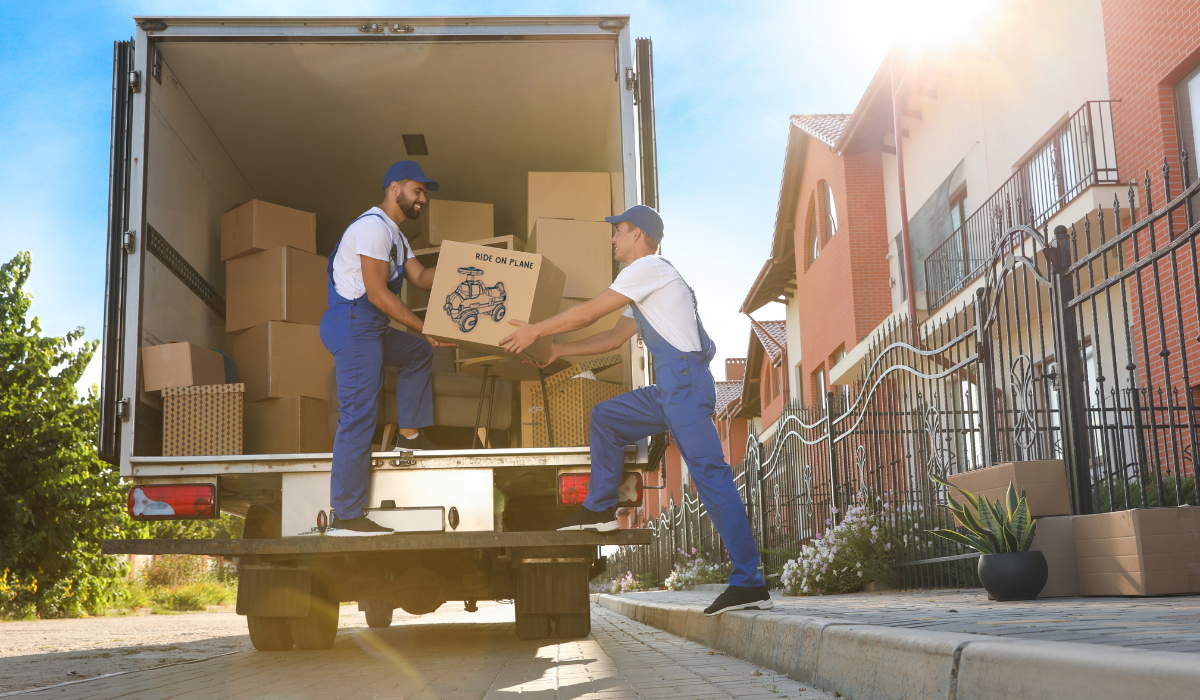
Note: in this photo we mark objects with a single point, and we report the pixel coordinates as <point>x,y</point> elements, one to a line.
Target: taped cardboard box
<point>581,196</point>
<point>202,420</point>
<point>581,249</point>
<point>477,290</point>
<point>296,425</point>
<point>180,364</point>
<point>1151,551</point>
<point>280,284</point>
<point>571,398</point>
<point>258,225</point>
<point>1055,539</point>
<point>1044,482</point>
<point>280,360</point>
<point>445,220</point>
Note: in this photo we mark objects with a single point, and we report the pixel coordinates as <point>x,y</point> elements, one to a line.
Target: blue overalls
<point>362,342</point>
<point>683,400</point>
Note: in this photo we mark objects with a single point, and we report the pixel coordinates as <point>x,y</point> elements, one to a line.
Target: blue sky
<point>727,76</point>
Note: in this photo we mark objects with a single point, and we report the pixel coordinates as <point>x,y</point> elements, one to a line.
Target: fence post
<point>1072,392</point>
<point>830,434</point>
<point>987,386</point>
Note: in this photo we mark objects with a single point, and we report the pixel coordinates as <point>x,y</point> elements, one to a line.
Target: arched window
<point>830,211</point>
<point>814,236</point>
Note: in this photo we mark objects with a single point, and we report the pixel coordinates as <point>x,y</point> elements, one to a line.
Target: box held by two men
<point>281,360</point>
<point>580,196</point>
<point>477,291</point>
<point>445,220</point>
<point>1146,551</point>
<point>1044,482</point>
<point>280,284</point>
<point>257,225</point>
<point>180,364</point>
<point>581,249</point>
<point>293,425</point>
<point>572,393</point>
<point>202,420</point>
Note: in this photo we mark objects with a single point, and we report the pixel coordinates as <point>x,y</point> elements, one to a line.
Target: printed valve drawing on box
<point>471,298</point>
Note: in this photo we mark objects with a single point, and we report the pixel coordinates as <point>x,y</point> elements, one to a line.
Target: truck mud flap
<point>274,592</point>
<point>553,588</point>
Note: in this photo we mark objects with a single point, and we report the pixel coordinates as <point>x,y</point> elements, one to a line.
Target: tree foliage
<point>58,500</point>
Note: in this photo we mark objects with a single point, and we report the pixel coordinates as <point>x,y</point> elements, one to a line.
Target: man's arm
<point>375,275</point>
<point>418,275</point>
<point>597,344</point>
<point>574,318</point>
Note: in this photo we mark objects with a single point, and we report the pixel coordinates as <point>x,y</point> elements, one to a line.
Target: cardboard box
<point>571,399</point>
<point>1044,482</point>
<point>477,290</point>
<point>581,249</point>
<point>257,225</point>
<point>180,364</point>
<point>444,220</point>
<point>581,196</point>
<point>202,420</point>
<point>295,425</point>
<point>1151,551</point>
<point>1055,539</point>
<point>280,284</point>
<point>280,360</point>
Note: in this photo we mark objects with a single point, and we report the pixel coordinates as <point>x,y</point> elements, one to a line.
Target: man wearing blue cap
<point>366,270</point>
<point>662,307</point>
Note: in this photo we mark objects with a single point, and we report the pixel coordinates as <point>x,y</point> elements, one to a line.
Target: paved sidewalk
<point>1157,624</point>
<point>464,658</point>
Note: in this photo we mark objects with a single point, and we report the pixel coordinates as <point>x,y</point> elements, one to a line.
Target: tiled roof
<point>726,393</point>
<point>826,128</point>
<point>777,331</point>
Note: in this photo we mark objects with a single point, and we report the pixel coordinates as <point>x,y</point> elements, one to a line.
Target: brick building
<point>733,429</point>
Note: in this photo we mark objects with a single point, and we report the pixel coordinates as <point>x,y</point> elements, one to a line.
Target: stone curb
<point>871,662</point>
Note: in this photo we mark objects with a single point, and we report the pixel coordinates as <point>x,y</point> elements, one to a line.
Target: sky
<point>727,77</point>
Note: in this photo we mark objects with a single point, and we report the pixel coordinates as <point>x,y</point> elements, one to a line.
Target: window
<point>830,211</point>
<point>819,386</point>
<point>900,257</point>
<point>777,370</point>
<point>813,235</point>
<point>1187,109</point>
<point>959,208</point>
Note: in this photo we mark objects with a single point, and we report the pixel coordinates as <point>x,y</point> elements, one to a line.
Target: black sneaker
<point>741,598</point>
<point>356,527</point>
<point>584,519</point>
<point>416,442</point>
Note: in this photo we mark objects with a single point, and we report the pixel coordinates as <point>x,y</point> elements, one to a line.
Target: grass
<point>171,586</point>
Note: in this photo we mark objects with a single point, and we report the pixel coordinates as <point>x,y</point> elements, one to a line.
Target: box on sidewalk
<point>477,291</point>
<point>569,408</point>
<point>280,284</point>
<point>582,196</point>
<point>1146,551</point>
<point>581,249</point>
<point>294,425</point>
<point>445,220</point>
<point>1055,539</point>
<point>202,420</point>
<point>180,364</point>
<point>1044,482</point>
<point>257,225</point>
<point>279,360</point>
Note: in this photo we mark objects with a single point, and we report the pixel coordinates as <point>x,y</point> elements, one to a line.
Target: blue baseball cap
<point>644,218</point>
<point>407,170</point>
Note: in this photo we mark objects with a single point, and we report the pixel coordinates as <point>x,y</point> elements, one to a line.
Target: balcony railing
<point>1079,154</point>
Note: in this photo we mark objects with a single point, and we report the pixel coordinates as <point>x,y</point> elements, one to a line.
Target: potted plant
<point>1002,533</point>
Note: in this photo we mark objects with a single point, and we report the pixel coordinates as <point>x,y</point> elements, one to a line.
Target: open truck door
<point>644,91</point>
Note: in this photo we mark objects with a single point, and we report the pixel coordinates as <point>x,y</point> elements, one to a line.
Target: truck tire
<point>379,615</point>
<point>269,633</point>
<point>573,625</point>
<point>319,628</point>
<point>533,626</point>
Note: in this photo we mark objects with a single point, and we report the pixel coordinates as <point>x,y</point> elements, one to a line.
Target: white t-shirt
<point>663,298</point>
<point>375,237</point>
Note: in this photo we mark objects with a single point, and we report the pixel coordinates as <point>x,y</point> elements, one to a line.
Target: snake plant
<point>990,528</point>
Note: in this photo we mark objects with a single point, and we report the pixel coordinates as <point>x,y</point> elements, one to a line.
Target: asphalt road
<point>450,654</point>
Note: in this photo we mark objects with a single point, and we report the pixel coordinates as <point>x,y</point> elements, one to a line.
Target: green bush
<point>1108,496</point>
<point>193,596</point>
<point>130,594</point>
<point>175,570</point>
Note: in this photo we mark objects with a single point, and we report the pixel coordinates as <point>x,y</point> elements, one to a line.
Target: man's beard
<point>408,206</point>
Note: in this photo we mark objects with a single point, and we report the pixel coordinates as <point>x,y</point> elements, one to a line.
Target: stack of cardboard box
<point>276,288</point>
<point>202,415</point>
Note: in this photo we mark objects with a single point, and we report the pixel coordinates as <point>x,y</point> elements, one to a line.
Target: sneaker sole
<point>595,527</point>
<point>756,605</point>
<point>354,533</point>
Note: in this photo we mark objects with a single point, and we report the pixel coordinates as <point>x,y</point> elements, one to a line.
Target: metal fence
<point>1079,346</point>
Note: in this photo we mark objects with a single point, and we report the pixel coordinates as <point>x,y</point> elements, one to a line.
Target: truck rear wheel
<point>319,628</point>
<point>573,625</point>
<point>269,633</point>
<point>533,626</point>
<point>379,614</point>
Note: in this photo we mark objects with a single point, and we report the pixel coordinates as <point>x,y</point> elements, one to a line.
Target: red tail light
<point>573,489</point>
<point>172,501</point>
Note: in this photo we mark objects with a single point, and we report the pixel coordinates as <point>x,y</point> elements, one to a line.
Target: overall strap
<point>695,306</point>
<point>407,253</point>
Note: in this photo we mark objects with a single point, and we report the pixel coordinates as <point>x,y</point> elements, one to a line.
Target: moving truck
<point>307,113</point>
